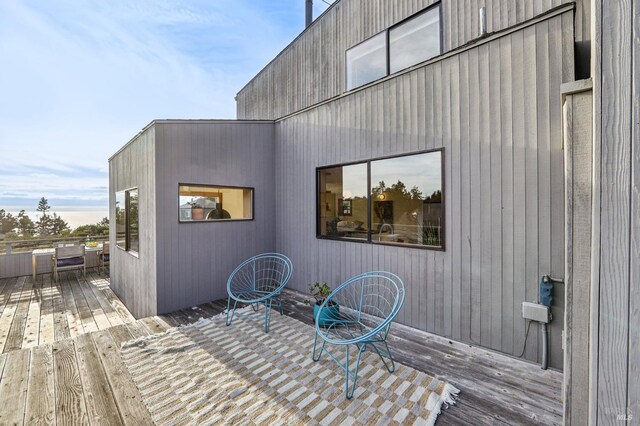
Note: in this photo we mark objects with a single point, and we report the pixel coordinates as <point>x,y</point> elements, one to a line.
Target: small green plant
<point>319,292</point>
<point>195,205</point>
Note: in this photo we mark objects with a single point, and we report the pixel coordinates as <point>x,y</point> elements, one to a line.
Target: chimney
<point>308,13</point>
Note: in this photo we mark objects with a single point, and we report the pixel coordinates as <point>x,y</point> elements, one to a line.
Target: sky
<point>79,79</point>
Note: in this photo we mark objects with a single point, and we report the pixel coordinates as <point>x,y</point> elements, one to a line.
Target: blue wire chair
<point>259,280</point>
<point>359,312</point>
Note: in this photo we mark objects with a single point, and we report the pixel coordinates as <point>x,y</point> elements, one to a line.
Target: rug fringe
<point>448,397</point>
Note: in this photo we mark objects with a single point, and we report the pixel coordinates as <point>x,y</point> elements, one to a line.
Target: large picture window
<point>127,229</point>
<point>201,203</point>
<point>396,200</point>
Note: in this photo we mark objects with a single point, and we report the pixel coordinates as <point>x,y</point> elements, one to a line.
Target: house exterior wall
<point>312,68</point>
<point>495,107</point>
<point>133,276</point>
<point>194,260</point>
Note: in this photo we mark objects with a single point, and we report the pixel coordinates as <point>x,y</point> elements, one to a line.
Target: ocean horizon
<point>74,215</point>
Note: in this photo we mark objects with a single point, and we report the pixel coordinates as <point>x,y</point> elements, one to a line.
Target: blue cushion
<point>72,261</point>
<point>105,257</point>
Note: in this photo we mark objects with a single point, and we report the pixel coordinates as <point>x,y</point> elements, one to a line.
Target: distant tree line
<point>22,226</point>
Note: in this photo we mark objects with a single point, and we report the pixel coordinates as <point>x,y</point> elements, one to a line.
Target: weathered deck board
<point>69,400</point>
<point>97,286</point>
<point>12,296</point>
<point>40,407</point>
<point>31,334</point>
<point>19,323</point>
<point>101,405</point>
<point>71,310</point>
<point>127,397</point>
<point>13,388</point>
<point>47,318</point>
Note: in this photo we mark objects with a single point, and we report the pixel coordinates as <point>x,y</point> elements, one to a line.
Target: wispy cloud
<point>79,79</point>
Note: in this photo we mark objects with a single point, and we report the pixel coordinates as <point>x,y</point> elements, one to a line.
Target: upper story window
<point>415,40</point>
<point>127,223</point>
<point>367,61</point>
<point>395,200</point>
<point>198,203</point>
<point>407,43</point>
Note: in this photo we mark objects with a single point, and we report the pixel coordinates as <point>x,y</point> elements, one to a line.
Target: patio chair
<point>259,280</point>
<point>359,312</point>
<point>68,258</point>
<point>103,257</point>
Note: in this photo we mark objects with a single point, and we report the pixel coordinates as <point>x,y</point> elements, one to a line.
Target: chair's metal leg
<point>235,302</point>
<point>387,354</point>
<point>267,315</point>
<point>315,345</point>
<point>351,389</point>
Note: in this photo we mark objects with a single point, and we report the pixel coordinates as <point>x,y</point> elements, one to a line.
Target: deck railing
<point>16,259</point>
<point>22,246</point>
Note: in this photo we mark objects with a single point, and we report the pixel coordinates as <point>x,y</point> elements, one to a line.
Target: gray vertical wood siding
<point>133,276</point>
<point>312,68</point>
<point>615,306</point>
<point>495,108</point>
<point>194,260</point>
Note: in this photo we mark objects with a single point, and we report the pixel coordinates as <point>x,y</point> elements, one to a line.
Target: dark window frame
<point>368,240</point>
<point>204,185</point>
<point>388,45</point>
<point>127,221</point>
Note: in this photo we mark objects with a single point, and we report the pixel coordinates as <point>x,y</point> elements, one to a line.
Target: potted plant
<point>197,211</point>
<point>320,291</point>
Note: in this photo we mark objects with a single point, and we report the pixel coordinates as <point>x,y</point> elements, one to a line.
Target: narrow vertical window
<point>132,221</point>
<point>127,224</point>
<point>121,220</point>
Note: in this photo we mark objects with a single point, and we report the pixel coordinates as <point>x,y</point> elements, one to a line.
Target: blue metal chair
<point>359,312</point>
<point>259,280</point>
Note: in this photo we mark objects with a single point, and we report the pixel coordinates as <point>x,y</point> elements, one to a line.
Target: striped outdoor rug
<point>207,373</point>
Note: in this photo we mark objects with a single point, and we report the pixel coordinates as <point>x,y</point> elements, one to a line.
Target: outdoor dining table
<point>49,252</point>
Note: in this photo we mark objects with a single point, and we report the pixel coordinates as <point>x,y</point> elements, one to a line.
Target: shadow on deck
<point>69,369</point>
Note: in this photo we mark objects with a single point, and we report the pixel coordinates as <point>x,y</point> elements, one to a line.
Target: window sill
<point>382,243</point>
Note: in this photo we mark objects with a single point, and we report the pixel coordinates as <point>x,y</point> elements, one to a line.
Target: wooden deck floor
<point>40,312</point>
<point>82,379</point>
